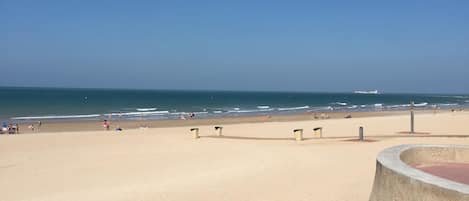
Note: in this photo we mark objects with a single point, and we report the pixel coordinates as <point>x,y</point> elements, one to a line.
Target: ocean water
<point>53,104</point>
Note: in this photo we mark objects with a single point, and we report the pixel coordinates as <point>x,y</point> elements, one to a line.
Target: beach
<point>96,125</point>
<point>257,158</point>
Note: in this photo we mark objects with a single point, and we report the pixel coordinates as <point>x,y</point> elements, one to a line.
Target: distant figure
<point>182,117</point>
<point>4,127</point>
<point>192,115</point>
<point>31,127</point>
<point>348,116</point>
<point>323,116</point>
<point>315,116</point>
<point>118,128</point>
<point>11,129</point>
<point>106,124</point>
<point>14,129</point>
<point>17,128</point>
<point>39,124</point>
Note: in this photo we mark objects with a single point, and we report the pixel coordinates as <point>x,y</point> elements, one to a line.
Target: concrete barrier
<point>218,130</point>
<point>396,179</point>
<point>298,134</point>
<point>317,132</point>
<point>195,133</point>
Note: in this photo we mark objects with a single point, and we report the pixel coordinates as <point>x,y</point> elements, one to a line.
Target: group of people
<point>191,115</point>
<point>15,128</point>
<point>107,125</point>
<point>10,128</point>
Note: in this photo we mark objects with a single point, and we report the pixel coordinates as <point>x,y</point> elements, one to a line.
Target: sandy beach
<point>256,159</point>
<point>74,125</point>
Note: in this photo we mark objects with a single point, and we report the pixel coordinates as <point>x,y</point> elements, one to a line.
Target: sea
<point>21,104</point>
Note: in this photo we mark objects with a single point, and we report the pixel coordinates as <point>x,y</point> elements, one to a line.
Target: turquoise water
<point>32,104</point>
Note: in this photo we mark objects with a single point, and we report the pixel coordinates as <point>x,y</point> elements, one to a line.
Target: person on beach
<point>31,127</point>
<point>14,129</point>
<point>4,127</point>
<point>39,124</point>
<point>17,128</point>
<point>10,129</point>
<point>106,124</point>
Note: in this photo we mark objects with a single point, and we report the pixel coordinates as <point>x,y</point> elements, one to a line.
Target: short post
<point>195,133</point>
<point>360,133</point>
<point>218,130</point>
<point>318,132</point>
<point>412,117</point>
<point>298,134</point>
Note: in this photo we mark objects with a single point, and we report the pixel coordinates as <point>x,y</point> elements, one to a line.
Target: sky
<point>319,46</point>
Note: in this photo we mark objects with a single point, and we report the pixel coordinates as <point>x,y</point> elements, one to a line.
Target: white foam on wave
<point>178,113</point>
<point>459,97</point>
<point>341,103</point>
<point>448,104</point>
<point>353,107</point>
<point>263,107</point>
<point>421,104</point>
<point>293,108</point>
<point>398,106</point>
<point>139,113</point>
<point>146,109</point>
<point>217,112</point>
<point>378,105</point>
<point>321,108</point>
<point>58,117</point>
<point>250,111</point>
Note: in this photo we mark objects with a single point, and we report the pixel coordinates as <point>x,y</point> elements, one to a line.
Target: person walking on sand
<point>106,124</point>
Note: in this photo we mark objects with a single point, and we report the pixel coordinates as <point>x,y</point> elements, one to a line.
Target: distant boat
<point>366,92</point>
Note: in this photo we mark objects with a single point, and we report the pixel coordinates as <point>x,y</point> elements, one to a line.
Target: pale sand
<point>261,161</point>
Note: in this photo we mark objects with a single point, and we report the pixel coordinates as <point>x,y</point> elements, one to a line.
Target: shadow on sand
<point>268,138</point>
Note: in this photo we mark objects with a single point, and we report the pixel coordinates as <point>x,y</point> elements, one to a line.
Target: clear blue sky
<point>394,46</point>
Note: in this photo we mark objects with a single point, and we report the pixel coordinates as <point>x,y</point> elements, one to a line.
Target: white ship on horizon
<point>366,92</point>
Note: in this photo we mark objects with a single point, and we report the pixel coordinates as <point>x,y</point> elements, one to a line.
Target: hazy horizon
<point>393,47</point>
<point>227,90</point>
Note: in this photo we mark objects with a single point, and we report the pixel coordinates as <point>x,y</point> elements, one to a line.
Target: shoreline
<point>70,126</point>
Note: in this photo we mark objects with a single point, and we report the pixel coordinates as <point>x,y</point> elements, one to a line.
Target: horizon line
<point>227,90</point>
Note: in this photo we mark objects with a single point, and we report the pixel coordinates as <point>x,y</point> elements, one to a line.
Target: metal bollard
<point>195,133</point>
<point>218,130</point>
<point>360,133</point>
<point>298,134</point>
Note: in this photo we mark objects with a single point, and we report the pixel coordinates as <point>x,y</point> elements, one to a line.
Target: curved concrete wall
<point>397,181</point>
